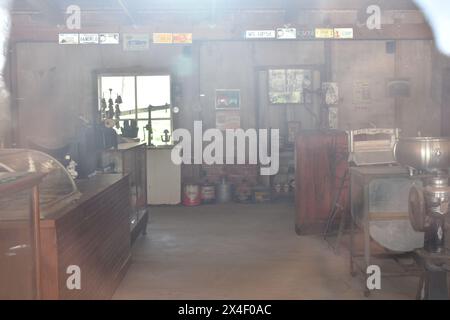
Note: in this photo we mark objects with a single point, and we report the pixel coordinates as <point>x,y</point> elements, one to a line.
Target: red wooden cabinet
<point>321,162</point>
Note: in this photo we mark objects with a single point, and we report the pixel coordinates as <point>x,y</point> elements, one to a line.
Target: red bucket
<point>191,195</point>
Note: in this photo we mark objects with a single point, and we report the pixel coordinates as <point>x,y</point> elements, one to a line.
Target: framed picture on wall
<point>228,99</point>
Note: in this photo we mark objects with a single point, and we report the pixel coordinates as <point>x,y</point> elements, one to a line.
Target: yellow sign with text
<point>326,33</point>
<point>162,38</point>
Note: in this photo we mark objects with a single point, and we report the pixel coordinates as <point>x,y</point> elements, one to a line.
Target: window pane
<point>123,86</point>
<point>153,90</point>
<point>121,125</point>
<point>150,90</point>
<point>127,116</point>
<point>287,86</point>
<point>161,114</point>
<point>158,127</point>
<point>164,114</point>
<point>142,133</point>
<point>118,130</point>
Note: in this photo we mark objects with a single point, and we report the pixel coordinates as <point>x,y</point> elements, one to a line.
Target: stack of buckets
<point>195,194</point>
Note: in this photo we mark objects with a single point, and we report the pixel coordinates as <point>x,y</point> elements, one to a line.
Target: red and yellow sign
<point>182,37</point>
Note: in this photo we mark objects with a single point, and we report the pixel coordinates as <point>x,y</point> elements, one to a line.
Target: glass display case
<point>20,276</point>
<point>57,189</point>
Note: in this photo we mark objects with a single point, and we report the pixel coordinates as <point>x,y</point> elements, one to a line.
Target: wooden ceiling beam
<point>133,6</point>
<point>388,32</point>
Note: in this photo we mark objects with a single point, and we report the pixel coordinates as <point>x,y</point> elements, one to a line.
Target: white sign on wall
<point>88,38</point>
<point>286,33</point>
<point>260,34</point>
<point>343,33</point>
<point>109,38</point>
<point>331,92</point>
<point>68,38</point>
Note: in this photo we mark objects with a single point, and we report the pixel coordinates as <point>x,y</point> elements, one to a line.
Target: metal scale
<point>428,159</point>
<point>379,193</point>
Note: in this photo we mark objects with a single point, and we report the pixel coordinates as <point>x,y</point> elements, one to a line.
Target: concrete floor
<point>241,251</point>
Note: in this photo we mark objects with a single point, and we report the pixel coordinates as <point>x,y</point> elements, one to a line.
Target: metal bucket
<point>261,194</point>
<point>208,193</point>
<point>224,192</point>
<point>243,192</point>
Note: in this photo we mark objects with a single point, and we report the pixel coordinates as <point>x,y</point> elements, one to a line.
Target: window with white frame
<point>136,93</point>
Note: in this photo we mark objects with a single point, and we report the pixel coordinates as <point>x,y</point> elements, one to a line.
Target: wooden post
<point>37,238</point>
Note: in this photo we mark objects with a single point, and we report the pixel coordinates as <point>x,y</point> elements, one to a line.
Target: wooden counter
<point>93,234</point>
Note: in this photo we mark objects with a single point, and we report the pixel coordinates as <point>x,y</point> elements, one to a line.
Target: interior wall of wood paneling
<point>56,84</point>
<point>363,62</point>
<point>418,113</point>
<point>440,89</point>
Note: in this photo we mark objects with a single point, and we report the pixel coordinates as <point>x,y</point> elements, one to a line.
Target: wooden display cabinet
<point>131,159</point>
<point>321,164</point>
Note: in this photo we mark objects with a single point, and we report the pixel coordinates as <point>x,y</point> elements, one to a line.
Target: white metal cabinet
<point>163,177</point>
